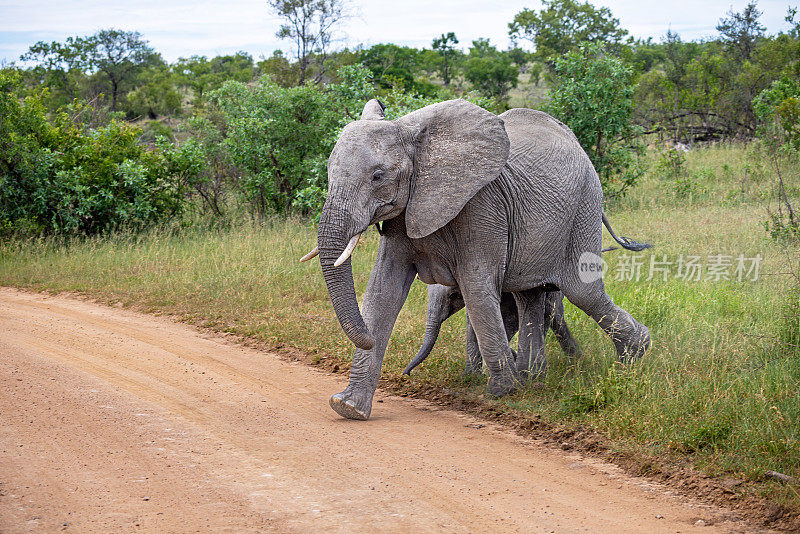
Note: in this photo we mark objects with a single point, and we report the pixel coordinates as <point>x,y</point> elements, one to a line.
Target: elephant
<point>445,301</point>
<point>463,197</point>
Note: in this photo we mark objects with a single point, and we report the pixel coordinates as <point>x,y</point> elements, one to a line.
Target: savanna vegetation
<point>192,188</point>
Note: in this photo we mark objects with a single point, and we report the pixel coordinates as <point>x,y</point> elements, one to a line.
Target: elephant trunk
<point>431,335</point>
<point>333,236</point>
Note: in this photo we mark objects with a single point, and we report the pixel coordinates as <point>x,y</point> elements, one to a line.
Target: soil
<point>117,421</point>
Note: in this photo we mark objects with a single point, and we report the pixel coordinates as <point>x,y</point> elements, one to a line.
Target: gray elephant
<point>464,198</point>
<point>445,301</point>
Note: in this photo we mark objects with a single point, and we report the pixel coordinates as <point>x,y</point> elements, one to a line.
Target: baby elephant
<point>444,301</point>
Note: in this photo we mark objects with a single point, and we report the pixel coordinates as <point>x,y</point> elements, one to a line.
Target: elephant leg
<point>483,305</point>
<point>531,360</point>
<point>474,365</point>
<point>508,307</point>
<point>631,338</point>
<point>386,293</point>
<point>587,291</point>
<point>554,317</point>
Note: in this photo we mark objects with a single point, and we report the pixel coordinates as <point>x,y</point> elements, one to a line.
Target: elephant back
<point>538,140</point>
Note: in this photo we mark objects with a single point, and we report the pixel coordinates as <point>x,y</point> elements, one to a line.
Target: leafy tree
<point>60,65</point>
<point>119,55</point>
<point>490,71</point>
<point>644,55</point>
<point>202,75</point>
<point>429,63</point>
<point>561,25</point>
<point>58,178</point>
<point>193,73</point>
<point>519,56</point>
<point>445,45</point>
<point>391,64</point>
<point>204,164</point>
<point>279,138</point>
<point>279,69</point>
<point>352,92</point>
<point>778,109</point>
<point>791,18</point>
<point>593,95</point>
<point>741,31</point>
<point>238,67</point>
<point>310,24</point>
<point>701,91</point>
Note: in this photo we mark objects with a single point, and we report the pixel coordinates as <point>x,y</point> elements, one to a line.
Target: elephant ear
<point>458,148</point>
<point>373,111</point>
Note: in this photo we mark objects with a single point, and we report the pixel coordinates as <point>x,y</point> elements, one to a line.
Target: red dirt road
<point>115,421</point>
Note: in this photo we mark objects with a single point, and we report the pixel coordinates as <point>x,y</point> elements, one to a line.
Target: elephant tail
<point>626,242</point>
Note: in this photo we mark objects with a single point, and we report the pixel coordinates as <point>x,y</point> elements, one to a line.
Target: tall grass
<point>721,384</point>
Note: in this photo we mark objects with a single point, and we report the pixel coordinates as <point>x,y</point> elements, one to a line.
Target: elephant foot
<point>571,349</point>
<point>505,382</point>
<point>636,345</point>
<point>352,406</point>
<point>502,386</point>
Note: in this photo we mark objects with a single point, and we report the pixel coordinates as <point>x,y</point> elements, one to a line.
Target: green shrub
<point>671,164</point>
<point>57,177</point>
<point>277,138</point>
<point>593,95</point>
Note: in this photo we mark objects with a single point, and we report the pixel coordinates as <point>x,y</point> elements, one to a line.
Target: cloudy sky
<point>180,28</point>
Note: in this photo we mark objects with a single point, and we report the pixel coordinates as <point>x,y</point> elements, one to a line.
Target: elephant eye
<point>377,175</point>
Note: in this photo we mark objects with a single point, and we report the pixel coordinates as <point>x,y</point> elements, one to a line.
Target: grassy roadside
<point>719,390</point>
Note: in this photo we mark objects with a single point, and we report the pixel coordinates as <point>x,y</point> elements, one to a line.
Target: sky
<point>181,28</point>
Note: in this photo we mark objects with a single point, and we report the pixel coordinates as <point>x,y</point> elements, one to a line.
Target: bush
<point>56,177</point>
<point>778,109</point>
<point>278,138</point>
<point>671,164</point>
<point>593,95</point>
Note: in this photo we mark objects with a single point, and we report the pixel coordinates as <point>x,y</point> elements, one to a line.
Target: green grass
<point>720,387</point>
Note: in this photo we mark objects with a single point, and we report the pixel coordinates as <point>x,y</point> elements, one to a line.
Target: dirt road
<point>114,421</point>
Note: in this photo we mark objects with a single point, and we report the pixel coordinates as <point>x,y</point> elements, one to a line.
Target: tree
<point>279,69</point>
<point>445,46</point>
<point>391,64</point>
<point>310,24</point>
<point>59,63</point>
<point>593,95</point>
<point>203,75</point>
<point>489,70</point>
<point>778,109</point>
<point>741,31</point>
<point>791,18</point>
<point>562,25</point>
<point>155,96</point>
<point>279,139</point>
<point>120,55</point>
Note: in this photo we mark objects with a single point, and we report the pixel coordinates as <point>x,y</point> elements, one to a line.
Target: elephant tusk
<point>347,250</point>
<point>313,254</point>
